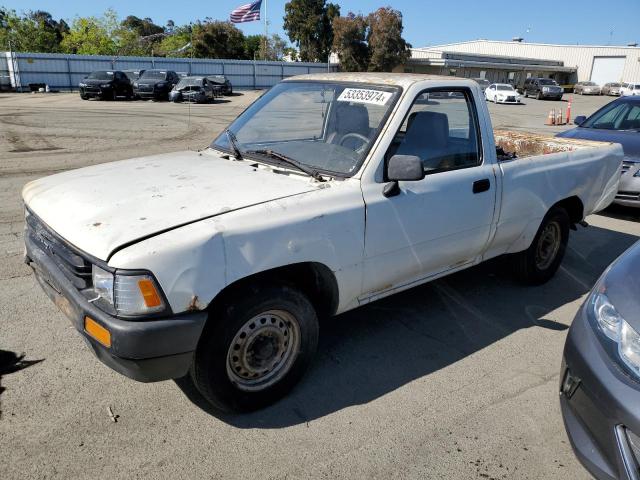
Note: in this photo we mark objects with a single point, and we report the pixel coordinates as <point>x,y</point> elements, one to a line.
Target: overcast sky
<point>426,22</point>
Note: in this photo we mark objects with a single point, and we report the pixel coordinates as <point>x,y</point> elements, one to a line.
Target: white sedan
<point>501,93</point>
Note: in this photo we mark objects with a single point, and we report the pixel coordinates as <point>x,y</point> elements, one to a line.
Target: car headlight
<point>135,84</point>
<point>129,294</point>
<point>81,84</point>
<point>617,329</point>
<point>161,84</point>
<point>545,89</point>
<point>105,85</point>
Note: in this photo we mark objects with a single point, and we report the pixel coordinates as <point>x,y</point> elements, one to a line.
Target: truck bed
<point>530,144</point>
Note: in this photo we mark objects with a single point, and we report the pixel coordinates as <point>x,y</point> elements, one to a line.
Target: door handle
<point>480,186</point>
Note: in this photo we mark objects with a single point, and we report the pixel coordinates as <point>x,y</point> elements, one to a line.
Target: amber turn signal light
<point>149,293</point>
<point>97,331</point>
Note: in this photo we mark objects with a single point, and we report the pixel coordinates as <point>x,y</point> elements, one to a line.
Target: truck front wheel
<point>255,348</point>
<point>541,260</point>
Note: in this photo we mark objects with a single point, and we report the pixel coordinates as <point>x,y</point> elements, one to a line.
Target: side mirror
<point>579,120</point>
<point>406,168</point>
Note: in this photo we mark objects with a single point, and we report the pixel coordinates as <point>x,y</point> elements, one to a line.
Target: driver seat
<point>350,118</point>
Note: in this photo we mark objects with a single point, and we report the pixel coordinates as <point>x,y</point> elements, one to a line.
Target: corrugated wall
<point>579,56</point>
<point>61,71</point>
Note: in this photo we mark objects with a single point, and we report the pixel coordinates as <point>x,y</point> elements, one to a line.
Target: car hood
<point>629,140</point>
<point>103,207</point>
<point>95,81</point>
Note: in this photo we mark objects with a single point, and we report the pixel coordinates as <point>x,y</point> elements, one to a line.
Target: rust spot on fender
<point>194,305</point>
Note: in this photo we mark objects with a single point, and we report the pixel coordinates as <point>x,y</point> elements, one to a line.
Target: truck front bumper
<point>144,350</point>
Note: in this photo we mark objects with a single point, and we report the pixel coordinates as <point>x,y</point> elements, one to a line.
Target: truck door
<point>443,221</point>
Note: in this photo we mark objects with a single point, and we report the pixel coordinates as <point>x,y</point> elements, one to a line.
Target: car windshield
<point>189,82</point>
<point>616,116</point>
<point>482,81</point>
<point>505,87</point>
<point>614,84</point>
<point>131,75</point>
<point>547,81</point>
<point>154,75</point>
<point>101,75</point>
<point>328,127</point>
<point>217,79</point>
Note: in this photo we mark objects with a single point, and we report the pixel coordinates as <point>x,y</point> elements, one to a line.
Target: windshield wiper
<point>233,141</point>
<point>290,161</point>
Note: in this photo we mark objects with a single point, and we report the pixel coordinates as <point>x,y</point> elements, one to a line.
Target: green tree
<point>253,45</point>
<point>308,24</point>
<point>216,39</point>
<point>177,44</point>
<point>93,35</point>
<point>32,32</point>
<point>349,42</point>
<point>142,26</point>
<point>388,48</point>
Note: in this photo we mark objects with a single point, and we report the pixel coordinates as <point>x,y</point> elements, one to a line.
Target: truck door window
<point>441,128</point>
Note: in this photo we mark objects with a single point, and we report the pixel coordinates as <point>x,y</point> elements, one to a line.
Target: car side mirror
<point>407,168</point>
<point>579,120</point>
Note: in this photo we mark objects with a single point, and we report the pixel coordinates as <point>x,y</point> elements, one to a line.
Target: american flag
<point>246,13</point>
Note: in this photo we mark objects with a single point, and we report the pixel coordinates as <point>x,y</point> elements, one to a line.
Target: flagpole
<point>266,30</point>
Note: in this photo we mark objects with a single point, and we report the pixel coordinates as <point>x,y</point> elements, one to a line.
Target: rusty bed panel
<point>531,144</point>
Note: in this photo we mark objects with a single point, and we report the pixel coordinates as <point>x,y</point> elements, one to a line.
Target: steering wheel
<point>357,136</point>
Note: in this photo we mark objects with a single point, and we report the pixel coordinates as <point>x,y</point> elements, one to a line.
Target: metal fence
<point>64,72</point>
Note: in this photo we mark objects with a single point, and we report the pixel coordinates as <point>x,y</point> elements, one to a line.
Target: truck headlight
<point>129,294</point>
<point>617,329</point>
<point>105,85</point>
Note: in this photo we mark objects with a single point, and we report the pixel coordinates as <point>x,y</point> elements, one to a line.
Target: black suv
<point>542,88</point>
<point>155,84</point>
<point>106,84</point>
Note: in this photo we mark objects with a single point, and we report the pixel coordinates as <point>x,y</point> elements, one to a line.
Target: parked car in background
<point>618,122</point>
<point>106,84</point>
<point>501,93</point>
<point>542,88</point>
<point>221,262</point>
<point>193,89</point>
<point>587,88</point>
<point>133,75</point>
<point>600,374</point>
<point>223,82</point>
<point>155,84</point>
<point>630,89</point>
<point>484,83</point>
<point>611,88</point>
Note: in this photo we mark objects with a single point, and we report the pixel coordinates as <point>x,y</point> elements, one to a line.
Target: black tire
<point>526,94</point>
<point>531,266</point>
<point>538,96</point>
<point>222,366</point>
<point>84,97</point>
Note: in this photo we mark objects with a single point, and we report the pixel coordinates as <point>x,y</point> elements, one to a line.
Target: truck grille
<point>626,166</point>
<point>75,267</point>
<point>622,195</point>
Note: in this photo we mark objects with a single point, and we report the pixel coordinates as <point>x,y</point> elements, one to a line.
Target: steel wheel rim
<point>548,245</point>
<point>263,350</point>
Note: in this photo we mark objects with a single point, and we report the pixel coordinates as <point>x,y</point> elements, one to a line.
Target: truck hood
<point>103,207</point>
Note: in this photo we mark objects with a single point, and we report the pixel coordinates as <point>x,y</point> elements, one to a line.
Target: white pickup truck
<point>329,192</point>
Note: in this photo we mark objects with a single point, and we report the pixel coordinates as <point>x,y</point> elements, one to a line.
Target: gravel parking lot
<point>457,379</point>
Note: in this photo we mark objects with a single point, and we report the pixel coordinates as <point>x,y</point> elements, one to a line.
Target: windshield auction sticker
<point>361,95</point>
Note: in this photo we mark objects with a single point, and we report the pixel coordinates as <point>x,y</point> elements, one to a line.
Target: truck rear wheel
<point>256,348</point>
<point>541,260</point>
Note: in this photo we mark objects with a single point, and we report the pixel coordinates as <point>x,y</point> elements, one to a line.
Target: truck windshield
<point>328,127</point>
<point>547,81</point>
<point>154,75</point>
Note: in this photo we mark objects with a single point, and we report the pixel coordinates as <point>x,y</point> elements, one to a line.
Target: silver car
<point>587,88</point>
<point>193,89</point>
<point>611,88</point>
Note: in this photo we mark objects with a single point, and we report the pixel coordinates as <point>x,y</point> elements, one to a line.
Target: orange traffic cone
<point>550,118</point>
<point>569,110</point>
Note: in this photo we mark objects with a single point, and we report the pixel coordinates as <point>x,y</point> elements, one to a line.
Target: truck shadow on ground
<point>373,350</point>
<point>622,213</point>
<point>11,362</point>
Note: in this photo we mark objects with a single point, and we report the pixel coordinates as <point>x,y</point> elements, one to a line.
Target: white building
<point>514,60</point>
